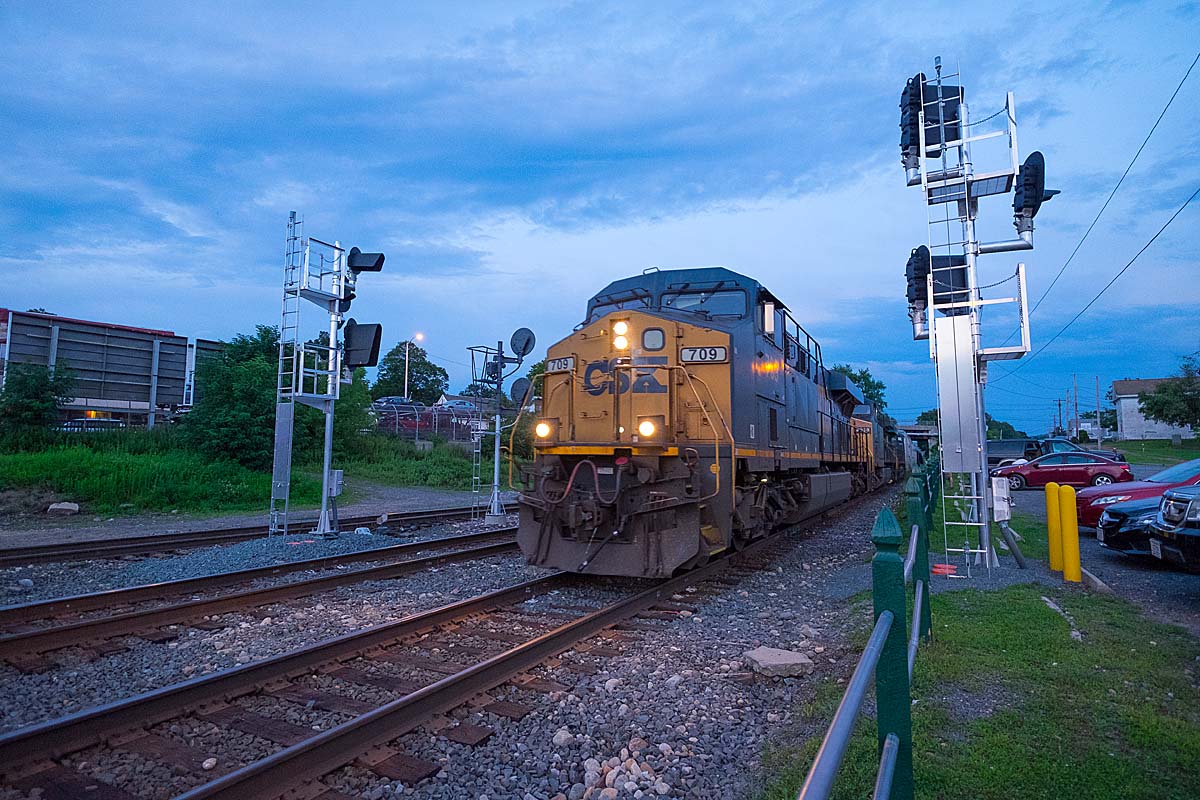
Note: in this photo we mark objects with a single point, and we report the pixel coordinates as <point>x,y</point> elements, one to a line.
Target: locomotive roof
<point>654,281</point>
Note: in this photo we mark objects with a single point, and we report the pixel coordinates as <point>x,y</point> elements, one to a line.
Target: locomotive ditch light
<point>546,429</point>
<point>650,427</point>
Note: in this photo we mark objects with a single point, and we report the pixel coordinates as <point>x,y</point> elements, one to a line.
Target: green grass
<point>1116,715</point>
<point>132,471</point>
<point>384,459</point>
<point>1157,451</point>
<point>117,480</point>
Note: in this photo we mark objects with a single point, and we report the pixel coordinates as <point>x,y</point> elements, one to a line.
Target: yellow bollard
<point>1070,534</point>
<point>1053,529</point>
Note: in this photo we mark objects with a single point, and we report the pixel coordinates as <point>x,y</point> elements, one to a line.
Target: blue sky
<point>512,158</point>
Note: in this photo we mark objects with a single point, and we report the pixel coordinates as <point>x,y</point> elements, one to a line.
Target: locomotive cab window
<point>724,303</point>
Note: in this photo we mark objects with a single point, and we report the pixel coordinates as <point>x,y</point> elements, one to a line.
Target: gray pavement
<point>1164,592</point>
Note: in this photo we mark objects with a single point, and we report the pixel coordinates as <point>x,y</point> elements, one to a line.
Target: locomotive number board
<point>703,355</point>
<point>566,364</point>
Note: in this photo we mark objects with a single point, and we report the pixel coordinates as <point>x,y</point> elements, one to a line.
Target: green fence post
<point>915,493</point>
<point>892,695</point>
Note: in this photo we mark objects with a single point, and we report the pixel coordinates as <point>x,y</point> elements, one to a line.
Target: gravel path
<point>28,584</point>
<point>375,499</point>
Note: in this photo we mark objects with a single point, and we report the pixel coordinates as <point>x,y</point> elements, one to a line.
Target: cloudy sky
<point>511,158</point>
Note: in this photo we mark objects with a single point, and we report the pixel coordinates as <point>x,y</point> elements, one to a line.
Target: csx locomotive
<point>687,415</point>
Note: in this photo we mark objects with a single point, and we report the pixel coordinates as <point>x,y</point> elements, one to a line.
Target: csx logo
<point>598,377</point>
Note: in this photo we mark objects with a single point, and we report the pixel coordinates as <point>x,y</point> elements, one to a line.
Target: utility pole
<point>1075,379</point>
<point>1099,425</point>
<point>1058,417</point>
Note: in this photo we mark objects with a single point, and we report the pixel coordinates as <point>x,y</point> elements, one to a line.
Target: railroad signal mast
<point>488,369</point>
<point>312,372</point>
<point>945,298</point>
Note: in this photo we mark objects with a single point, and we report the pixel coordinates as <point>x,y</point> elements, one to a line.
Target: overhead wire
<point>1099,213</point>
<point>1106,287</point>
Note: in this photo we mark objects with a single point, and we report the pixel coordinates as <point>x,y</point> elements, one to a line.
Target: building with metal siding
<point>121,371</point>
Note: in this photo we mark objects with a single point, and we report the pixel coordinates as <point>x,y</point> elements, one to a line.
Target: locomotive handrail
<point>889,654</point>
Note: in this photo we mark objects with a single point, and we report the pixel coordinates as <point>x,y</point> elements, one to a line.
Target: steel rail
<point>328,750</point>
<point>58,737</point>
<point>157,543</point>
<point>59,636</point>
<point>57,606</point>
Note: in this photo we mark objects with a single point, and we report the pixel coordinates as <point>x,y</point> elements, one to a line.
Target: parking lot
<point>1165,592</point>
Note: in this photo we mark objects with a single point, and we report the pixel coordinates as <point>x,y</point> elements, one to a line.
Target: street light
<point>418,337</point>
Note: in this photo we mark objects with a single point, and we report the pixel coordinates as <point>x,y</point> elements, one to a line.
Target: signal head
<point>358,261</point>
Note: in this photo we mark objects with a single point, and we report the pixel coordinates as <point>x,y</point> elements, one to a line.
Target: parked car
<point>1091,502</point>
<point>85,425</point>
<point>458,407</point>
<point>1002,452</point>
<point>1175,532</point>
<point>402,405</point>
<point>1125,527</point>
<point>1067,446</point>
<point>1074,469</point>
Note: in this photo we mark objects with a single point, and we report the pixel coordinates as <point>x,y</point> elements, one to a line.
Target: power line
<point>1113,192</point>
<point>1121,272</point>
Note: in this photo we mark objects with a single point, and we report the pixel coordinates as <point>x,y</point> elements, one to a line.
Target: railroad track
<point>167,542</point>
<point>35,629</point>
<point>375,685</point>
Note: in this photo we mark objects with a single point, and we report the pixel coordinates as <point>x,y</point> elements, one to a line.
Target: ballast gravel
<point>36,582</point>
<point>679,713</point>
<point>80,683</point>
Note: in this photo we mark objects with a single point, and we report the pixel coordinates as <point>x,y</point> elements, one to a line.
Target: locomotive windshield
<point>634,299</point>
<point>725,303</point>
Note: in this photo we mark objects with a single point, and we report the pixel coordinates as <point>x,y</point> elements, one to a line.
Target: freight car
<point>687,415</point>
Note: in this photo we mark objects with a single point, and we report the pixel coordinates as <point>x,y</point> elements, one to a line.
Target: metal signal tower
<point>944,288</point>
<point>311,373</point>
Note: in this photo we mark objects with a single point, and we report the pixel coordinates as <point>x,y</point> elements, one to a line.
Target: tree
<point>1108,418</point>
<point>536,370</point>
<point>873,390</point>
<point>234,417</point>
<point>31,396</point>
<point>37,311</point>
<point>426,380</point>
<point>1176,401</point>
<point>996,429</point>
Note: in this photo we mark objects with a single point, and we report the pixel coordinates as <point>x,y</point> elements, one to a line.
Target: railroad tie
<point>273,730</point>
<point>326,701</point>
<point>470,735</point>
<point>63,783</point>
<point>168,751</point>
<point>406,769</point>
<point>510,710</point>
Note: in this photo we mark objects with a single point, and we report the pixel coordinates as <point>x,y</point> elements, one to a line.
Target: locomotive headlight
<point>647,428</point>
<point>621,342</point>
<point>620,328</point>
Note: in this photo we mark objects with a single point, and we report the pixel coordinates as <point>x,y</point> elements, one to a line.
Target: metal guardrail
<point>888,656</point>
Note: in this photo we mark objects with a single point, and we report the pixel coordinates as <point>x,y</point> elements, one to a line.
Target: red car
<point>1092,502</point>
<point>1075,469</point>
